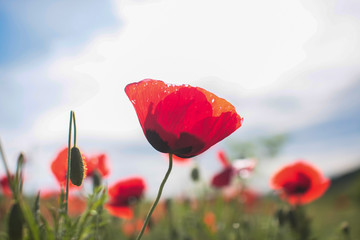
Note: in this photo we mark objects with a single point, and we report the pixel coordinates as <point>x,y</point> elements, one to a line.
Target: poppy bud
<point>16,222</point>
<point>96,179</point>
<point>195,174</point>
<point>77,171</point>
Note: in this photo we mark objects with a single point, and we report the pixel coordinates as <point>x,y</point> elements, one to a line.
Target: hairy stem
<point>157,198</point>
<point>68,164</point>
<point>74,122</point>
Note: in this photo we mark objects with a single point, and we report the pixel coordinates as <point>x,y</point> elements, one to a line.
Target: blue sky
<point>289,66</point>
<point>30,29</point>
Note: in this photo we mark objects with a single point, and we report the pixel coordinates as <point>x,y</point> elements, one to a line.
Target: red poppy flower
<point>242,167</point>
<point>59,168</point>
<point>123,194</point>
<point>181,120</point>
<point>300,182</point>
<point>97,163</point>
<point>4,183</point>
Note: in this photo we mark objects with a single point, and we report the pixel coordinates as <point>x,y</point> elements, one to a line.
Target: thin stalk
<point>74,121</point>
<point>8,174</point>
<point>68,164</point>
<point>147,219</point>
<point>5,162</point>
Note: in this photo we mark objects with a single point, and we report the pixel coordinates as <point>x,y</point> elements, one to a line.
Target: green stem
<point>74,121</point>
<point>68,164</point>
<point>157,198</point>
<point>8,174</point>
<point>5,162</point>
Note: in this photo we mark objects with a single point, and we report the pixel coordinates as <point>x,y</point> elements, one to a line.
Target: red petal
<point>103,166</point>
<point>125,191</point>
<point>223,178</point>
<point>98,163</point>
<point>121,212</point>
<point>212,130</point>
<point>223,159</point>
<point>5,187</point>
<point>146,94</point>
<point>91,163</point>
<point>49,194</point>
<point>315,192</point>
<point>180,110</point>
<point>59,168</point>
<point>76,206</point>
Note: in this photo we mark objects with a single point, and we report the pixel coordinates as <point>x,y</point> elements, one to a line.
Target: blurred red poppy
<point>47,194</point>
<point>210,221</point>
<point>132,227</point>
<point>249,197</point>
<point>244,195</point>
<point>241,167</point>
<point>123,194</point>
<point>223,178</point>
<point>182,120</point>
<point>59,168</point>
<point>76,205</point>
<point>4,183</point>
<point>300,182</point>
<point>223,159</point>
<point>97,163</point>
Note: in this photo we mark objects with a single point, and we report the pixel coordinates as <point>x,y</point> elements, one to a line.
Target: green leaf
<point>16,222</point>
<point>36,209</point>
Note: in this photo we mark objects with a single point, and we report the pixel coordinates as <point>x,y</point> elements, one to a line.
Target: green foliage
<point>15,222</point>
<point>26,224</point>
<point>208,217</point>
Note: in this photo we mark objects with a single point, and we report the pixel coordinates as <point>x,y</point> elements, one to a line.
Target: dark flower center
<point>156,141</point>
<point>299,185</point>
<point>186,145</point>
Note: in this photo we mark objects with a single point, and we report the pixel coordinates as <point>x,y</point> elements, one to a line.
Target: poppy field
<point>181,122</point>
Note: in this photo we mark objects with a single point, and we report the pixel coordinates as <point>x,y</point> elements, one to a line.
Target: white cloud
<point>278,62</point>
<point>247,46</point>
